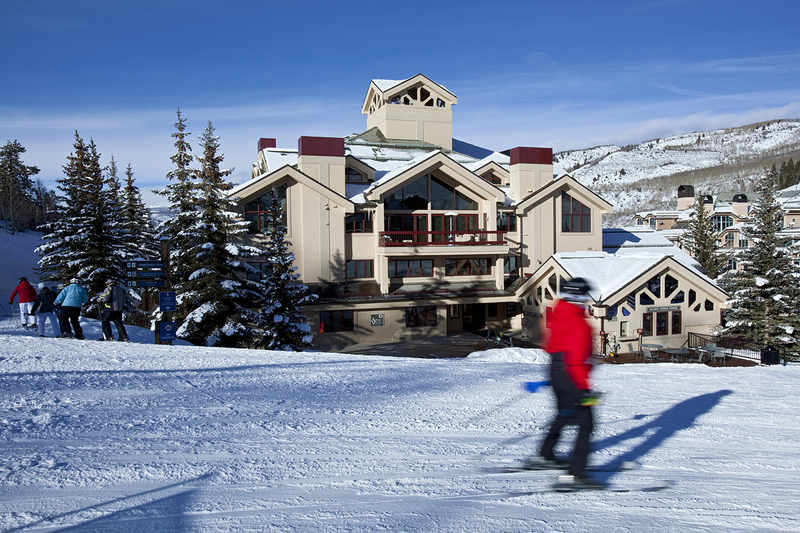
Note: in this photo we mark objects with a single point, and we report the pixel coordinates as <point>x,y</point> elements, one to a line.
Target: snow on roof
<point>385,85</point>
<point>394,172</point>
<point>278,157</point>
<point>496,157</point>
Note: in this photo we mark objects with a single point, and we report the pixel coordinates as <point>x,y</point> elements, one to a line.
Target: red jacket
<point>571,334</point>
<point>26,292</point>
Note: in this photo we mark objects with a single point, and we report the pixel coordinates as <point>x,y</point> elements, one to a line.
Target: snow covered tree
<point>135,221</point>
<point>183,195</point>
<point>701,241</point>
<point>215,296</point>
<point>283,325</point>
<point>16,188</point>
<point>765,295</point>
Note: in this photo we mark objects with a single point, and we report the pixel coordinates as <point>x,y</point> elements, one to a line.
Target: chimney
<point>266,143</point>
<point>531,168</point>
<point>322,158</point>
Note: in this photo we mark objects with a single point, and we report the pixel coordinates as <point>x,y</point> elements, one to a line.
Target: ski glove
<point>533,386</point>
<point>591,398</point>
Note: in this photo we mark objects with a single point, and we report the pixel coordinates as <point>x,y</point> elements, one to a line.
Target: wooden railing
<point>441,238</point>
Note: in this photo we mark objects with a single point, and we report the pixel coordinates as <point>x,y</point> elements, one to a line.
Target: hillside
<point>647,175</point>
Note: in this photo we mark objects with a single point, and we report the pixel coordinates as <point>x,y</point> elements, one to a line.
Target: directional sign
<point>144,264</point>
<point>167,301</point>
<point>146,274</point>
<point>146,283</point>
<point>167,331</point>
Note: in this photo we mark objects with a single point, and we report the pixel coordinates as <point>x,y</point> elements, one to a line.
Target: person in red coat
<point>27,295</point>
<point>570,347</point>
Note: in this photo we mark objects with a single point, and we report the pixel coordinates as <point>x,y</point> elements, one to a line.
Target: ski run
<point>108,436</point>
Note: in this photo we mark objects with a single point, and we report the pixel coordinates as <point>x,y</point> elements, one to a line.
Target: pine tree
<point>215,297</point>
<point>183,196</point>
<point>16,187</point>
<point>135,221</point>
<point>764,296</point>
<point>283,325</point>
<point>702,242</point>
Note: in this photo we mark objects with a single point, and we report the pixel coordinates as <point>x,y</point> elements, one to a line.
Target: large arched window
<point>257,211</point>
<point>721,222</point>
<point>575,217</point>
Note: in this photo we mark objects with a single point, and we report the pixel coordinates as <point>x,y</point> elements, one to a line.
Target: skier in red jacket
<point>570,346</point>
<point>27,295</point>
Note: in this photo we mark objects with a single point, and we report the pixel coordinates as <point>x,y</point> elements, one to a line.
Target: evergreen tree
<point>283,325</point>
<point>16,187</point>
<point>215,297</point>
<point>135,221</point>
<point>182,193</point>
<point>764,296</point>
<point>702,242</point>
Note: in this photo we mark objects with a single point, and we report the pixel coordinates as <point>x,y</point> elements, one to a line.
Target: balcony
<point>439,241</point>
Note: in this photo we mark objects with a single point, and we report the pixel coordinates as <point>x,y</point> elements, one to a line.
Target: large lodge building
<point>405,232</point>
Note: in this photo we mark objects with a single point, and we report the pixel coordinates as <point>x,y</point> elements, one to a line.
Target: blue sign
<point>168,301</point>
<point>146,283</point>
<point>146,274</point>
<point>144,264</point>
<point>167,331</point>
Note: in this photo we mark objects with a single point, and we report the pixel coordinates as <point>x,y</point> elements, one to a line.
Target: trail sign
<point>158,274</point>
<point>144,264</point>
<point>167,330</point>
<point>146,283</point>
<point>168,301</point>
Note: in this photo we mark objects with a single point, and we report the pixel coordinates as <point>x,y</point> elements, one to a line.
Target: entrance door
<point>474,317</point>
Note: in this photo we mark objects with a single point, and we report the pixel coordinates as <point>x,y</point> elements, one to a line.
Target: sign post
<point>157,274</point>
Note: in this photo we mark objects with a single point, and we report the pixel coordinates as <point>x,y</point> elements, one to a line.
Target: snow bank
<point>511,355</point>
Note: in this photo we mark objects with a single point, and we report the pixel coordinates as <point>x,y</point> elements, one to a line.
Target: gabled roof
<point>569,183</point>
<point>425,163</point>
<point>262,182</point>
<point>389,88</point>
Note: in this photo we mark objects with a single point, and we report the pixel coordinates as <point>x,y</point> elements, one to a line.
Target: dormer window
<point>575,217</point>
<point>354,175</point>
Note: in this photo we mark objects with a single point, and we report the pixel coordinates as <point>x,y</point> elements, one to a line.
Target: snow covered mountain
<point>647,175</point>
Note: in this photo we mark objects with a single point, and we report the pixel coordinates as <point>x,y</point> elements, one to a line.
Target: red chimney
<point>535,156</point>
<point>266,143</point>
<point>324,146</point>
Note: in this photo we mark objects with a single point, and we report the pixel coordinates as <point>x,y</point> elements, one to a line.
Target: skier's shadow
<point>678,417</point>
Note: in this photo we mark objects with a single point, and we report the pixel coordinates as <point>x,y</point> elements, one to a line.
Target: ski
<point>519,468</point>
<point>611,487</point>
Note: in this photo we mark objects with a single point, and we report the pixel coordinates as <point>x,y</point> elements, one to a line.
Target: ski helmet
<point>576,290</point>
<point>109,282</point>
<point>23,278</point>
<point>75,281</point>
<point>42,285</point>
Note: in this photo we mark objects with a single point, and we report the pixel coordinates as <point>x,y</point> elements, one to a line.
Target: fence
<point>733,347</point>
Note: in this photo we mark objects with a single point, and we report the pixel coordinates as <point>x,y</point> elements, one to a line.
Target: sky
<point>567,75</point>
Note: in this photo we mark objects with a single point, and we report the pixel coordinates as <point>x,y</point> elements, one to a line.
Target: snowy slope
<point>103,437</point>
<point>647,175</point>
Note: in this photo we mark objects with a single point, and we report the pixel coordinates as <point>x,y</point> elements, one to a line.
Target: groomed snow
<point>101,436</point>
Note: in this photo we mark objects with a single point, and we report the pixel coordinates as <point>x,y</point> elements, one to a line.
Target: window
<point>653,223</point>
<point>415,227</point>
<point>358,222</point>
<point>417,268</point>
<point>510,264</point>
<point>257,211</point>
<point>262,270</point>
<point>353,175</point>
<point>417,317</point>
<point>647,324</point>
<point>670,285</point>
<point>467,267</point>
<point>709,305</point>
<point>623,328</point>
<point>333,321</point>
<point>359,268</point>
<point>511,309</point>
<point>506,222</point>
<point>444,196</point>
<point>575,217</point>
<point>413,196</point>
<point>662,326</point>
<point>492,178</point>
<point>676,322</point>
<point>729,240</point>
<point>742,242</point>
<point>721,222</point>
<point>491,310</point>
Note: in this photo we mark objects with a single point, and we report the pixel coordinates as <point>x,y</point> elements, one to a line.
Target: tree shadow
<point>679,417</point>
<point>169,512</point>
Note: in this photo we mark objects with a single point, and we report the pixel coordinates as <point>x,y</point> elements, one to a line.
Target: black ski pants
<point>71,316</point>
<point>570,413</point>
<point>107,316</point>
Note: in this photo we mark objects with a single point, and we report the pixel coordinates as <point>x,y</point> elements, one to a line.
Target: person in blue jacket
<point>71,298</point>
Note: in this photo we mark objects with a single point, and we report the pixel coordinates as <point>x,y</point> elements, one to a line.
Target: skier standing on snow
<point>111,304</point>
<point>27,295</point>
<point>570,346</point>
<point>71,298</point>
<point>45,303</point>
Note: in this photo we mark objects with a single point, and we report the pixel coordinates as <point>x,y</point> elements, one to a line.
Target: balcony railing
<point>441,238</point>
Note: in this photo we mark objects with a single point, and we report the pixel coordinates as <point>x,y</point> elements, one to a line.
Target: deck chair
<point>718,353</point>
<point>650,356</point>
<point>633,350</point>
<point>697,357</point>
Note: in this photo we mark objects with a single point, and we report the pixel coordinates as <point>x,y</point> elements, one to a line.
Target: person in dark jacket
<point>111,303</point>
<point>45,304</point>
<point>27,295</point>
<point>570,347</point>
<point>71,298</point>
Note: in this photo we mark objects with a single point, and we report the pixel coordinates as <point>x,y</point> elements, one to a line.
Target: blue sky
<point>567,74</point>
